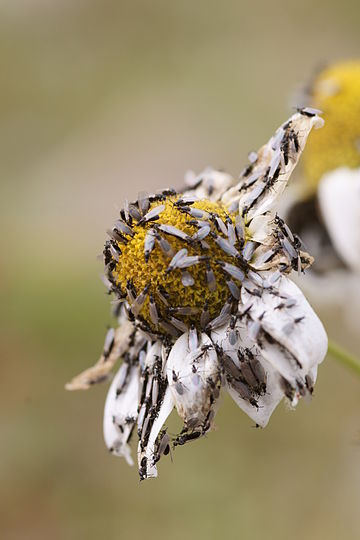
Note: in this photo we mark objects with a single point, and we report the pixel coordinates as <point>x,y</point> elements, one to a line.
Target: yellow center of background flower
<point>153,273</point>
<point>336,92</point>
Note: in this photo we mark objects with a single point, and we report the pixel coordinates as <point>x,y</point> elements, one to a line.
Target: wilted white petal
<point>258,196</point>
<point>120,411</point>
<point>260,228</point>
<point>267,400</point>
<point>192,375</point>
<point>152,355</point>
<point>266,257</point>
<point>292,337</point>
<point>339,198</point>
<point>147,463</point>
<point>210,184</point>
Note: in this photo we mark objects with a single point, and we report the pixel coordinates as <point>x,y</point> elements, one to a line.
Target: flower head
<point>336,91</point>
<point>327,213</point>
<point>205,304</point>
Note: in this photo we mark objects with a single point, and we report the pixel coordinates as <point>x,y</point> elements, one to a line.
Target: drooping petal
<point>210,184</point>
<point>339,198</point>
<point>193,377</point>
<point>264,180</point>
<point>148,456</point>
<point>262,391</point>
<point>288,332</point>
<point>120,411</point>
<point>120,342</point>
<point>155,405</point>
<point>260,229</point>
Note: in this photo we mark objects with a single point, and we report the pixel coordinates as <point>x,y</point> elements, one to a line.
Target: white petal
<point>339,198</point>
<point>292,338</point>
<point>152,355</point>
<point>121,410</point>
<point>260,228</point>
<point>210,184</point>
<point>344,298</point>
<point>266,402</point>
<point>146,458</point>
<point>258,191</point>
<point>192,374</point>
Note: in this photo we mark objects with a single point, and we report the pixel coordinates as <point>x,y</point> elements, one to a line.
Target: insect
<point>182,439</point>
<point>131,291</point>
<point>193,338</point>
<point>186,201</point>
<point>174,231</point>
<point>309,383</point>
<point>219,224</point>
<point>115,251</point>
<point>248,250</point>
<point>185,262</point>
<point>308,111</point>
<point>287,388</point>
<point>139,301</point>
<point>210,277</point>
<point>177,258</point>
<point>205,316</point>
<point>169,328</point>
<point>240,230</point>
<point>116,235</point>
<point>109,342</point>
<point>179,386</point>
<point>143,468</point>
<point>200,234</point>
<point>164,245</point>
<point>153,311</point>
<point>187,279</point>
<point>253,157</point>
<point>152,215</point>
<point>285,145</point>
<point>287,303</point>
<point>234,289</point>
<point>163,446</point>
<point>294,138</point>
<point>254,328</point>
<point>123,228</point>
<point>143,202</point>
<point>233,333</point>
<point>232,270</point>
<point>178,324</point>
<point>195,212</point>
<point>134,212</point>
<point>149,243</point>
<point>288,327</point>
<point>185,310</point>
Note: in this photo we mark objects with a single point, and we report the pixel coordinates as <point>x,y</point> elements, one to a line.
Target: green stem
<point>344,357</point>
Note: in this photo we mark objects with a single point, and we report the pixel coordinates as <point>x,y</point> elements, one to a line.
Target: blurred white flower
<point>339,202</point>
<point>204,303</point>
<point>323,207</point>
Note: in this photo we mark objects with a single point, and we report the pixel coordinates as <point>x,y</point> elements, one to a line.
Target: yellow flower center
<point>163,291</point>
<point>336,91</point>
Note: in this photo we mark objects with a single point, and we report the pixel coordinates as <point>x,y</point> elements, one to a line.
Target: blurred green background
<point>100,99</point>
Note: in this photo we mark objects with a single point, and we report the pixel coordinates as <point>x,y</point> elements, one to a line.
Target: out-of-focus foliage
<point>98,100</point>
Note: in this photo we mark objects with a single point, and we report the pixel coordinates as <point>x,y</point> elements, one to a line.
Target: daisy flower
<point>201,288</point>
<point>327,200</point>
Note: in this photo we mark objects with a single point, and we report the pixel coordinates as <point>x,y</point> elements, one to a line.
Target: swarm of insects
<point>205,304</point>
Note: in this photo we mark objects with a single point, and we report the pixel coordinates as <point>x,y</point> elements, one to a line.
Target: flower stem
<point>344,357</point>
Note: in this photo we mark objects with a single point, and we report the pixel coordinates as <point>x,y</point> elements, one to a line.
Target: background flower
<point>324,205</point>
